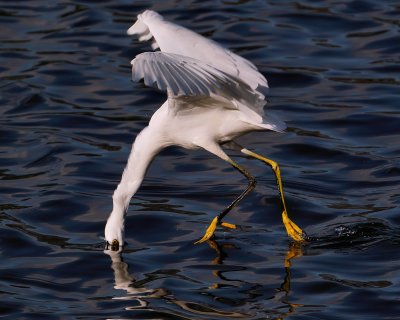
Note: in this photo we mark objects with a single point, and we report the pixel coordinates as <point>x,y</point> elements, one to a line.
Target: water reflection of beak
<point>125,281</point>
<point>136,292</point>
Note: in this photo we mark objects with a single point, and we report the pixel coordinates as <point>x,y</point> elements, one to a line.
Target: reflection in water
<point>136,291</point>
<point>295,250</point>
<point>124,281</point>
<point>69,113</point>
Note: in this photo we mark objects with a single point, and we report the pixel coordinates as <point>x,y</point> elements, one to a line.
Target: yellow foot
<point>212,227</point>
<point>292,229</point>
<point>209,232</point>
<point>228,225</point>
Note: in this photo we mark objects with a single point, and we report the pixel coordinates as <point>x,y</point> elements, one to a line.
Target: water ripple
<point>70,113</point>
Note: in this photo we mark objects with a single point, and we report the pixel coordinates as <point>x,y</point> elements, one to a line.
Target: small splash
<point>344,231</point>
<point>352,234</point>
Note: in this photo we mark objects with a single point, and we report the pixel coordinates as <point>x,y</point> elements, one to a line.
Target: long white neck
<point>144,149</point>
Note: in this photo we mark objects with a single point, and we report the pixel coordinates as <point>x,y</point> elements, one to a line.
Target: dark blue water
<point>69,114</point>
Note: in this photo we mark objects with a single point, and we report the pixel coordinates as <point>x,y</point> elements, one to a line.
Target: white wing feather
<point>172,38</point>
<point>184,76</point>
<point>187,78</point>
<point>191,66</point>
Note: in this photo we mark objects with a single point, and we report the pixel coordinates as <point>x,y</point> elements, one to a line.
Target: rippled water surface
<point>69,114</point>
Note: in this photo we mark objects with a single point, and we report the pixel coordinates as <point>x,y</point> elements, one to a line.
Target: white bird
<point>214,96</point>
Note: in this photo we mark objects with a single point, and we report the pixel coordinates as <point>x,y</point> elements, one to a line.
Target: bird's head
<point>114,234</point>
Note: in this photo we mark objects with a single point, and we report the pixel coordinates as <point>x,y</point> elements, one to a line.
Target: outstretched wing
<point>172,38</point>
<point>187,78</point>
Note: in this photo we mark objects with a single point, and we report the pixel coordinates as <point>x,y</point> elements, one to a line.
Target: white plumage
<point>171,38</point>
<point>214,96</point>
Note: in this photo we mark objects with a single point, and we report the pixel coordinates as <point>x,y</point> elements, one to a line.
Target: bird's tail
<point>271,122</point>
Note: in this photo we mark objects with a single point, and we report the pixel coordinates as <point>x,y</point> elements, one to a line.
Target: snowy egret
<point>214,96</point>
